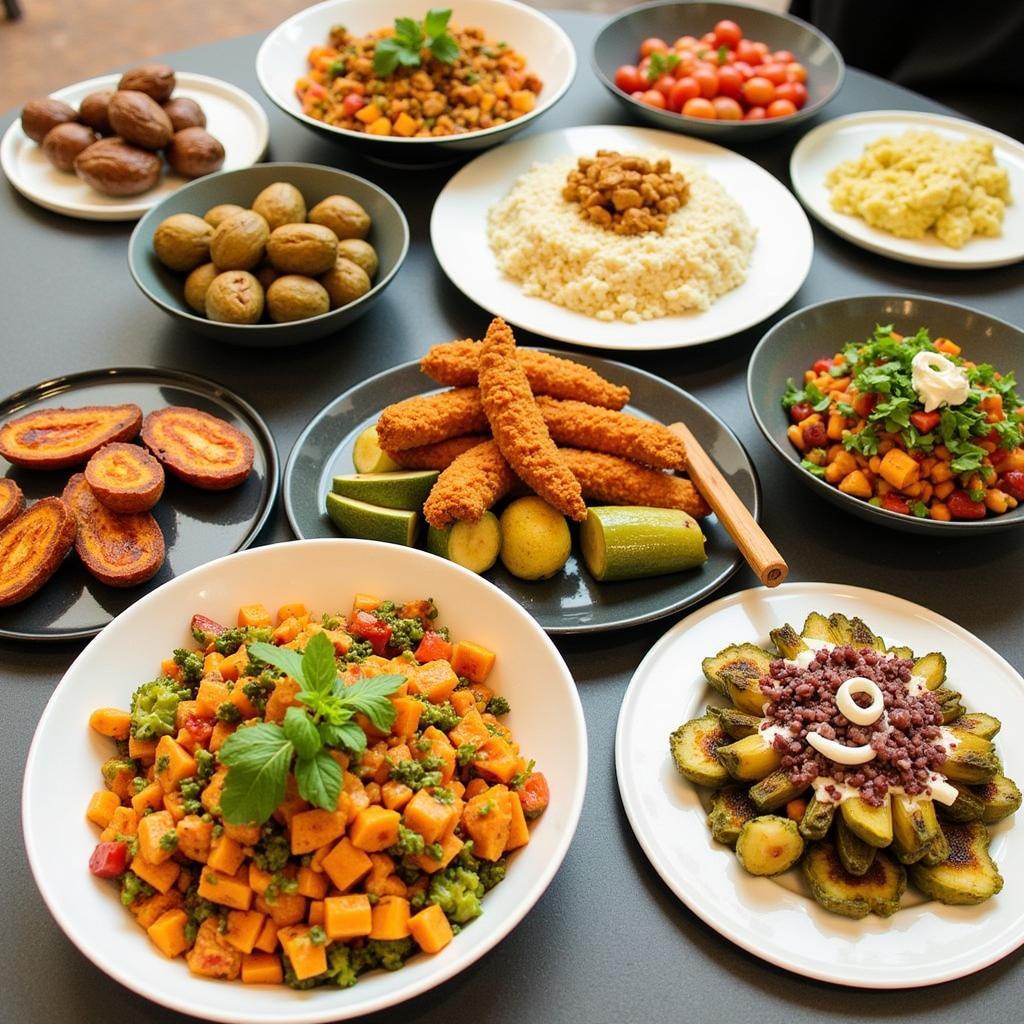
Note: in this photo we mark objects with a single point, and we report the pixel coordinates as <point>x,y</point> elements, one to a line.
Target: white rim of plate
<point>534,314</point>
<point>859,232</point>
<point>752,940</point>
<point>134,206</point>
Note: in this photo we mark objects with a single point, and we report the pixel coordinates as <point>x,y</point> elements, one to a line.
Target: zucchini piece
<point>749,759</point>
<point>952,712</point>
<point>840,629</point>
<point>774,791</point>
<point>932,669</point>
<point>968,806</point>
<point>878,891</point>
<point>856,855</point>
<point>769,845</point>
<point>937,851</point>
<point>968,875</point>
<point>977,723</point>
<point>901,652</point>
<point>914,827</point>
<point>870,823</point>
<point>862,636</point>
<point>944,695</point>
<point>730,810</point>
<point>1000,798</point>
<point>693,747</point>
<point>787,641</point>
<point>738,723</point>
<point>744,659</point>
<point>816,627</point>
<point>744,691</point>
<point>973,760</point>
<point>817,819</point>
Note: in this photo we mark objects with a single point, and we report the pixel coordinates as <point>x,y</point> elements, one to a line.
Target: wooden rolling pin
<point>761,554</point>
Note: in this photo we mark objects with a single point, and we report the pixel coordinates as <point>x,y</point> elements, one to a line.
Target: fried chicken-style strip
<point>518,426</point>
<point>439,455</point>
<point>579,425</point>
<point>456,363</point>
<point>427,419</point>
<point>476,480</point>
<point>615,481</point>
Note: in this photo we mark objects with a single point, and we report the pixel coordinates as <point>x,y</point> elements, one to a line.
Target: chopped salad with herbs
<point>303,802</point>
<point>861,425</point>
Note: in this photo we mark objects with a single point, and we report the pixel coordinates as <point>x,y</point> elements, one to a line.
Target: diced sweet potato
<point>244,927</point>
<point>179,763</point>
<point>308,959</point>
<point>428,816</point>
<point>497,760</point>
<point>210,695</point>
<point>225,856</point>
<point>256,615</point>
<point>472,661</point>
<point>441,747</point>
<point>390,918</point>
<point>285,908</point>
<point>346,864</point>
<point>262,969</point>
<point>375,828</point>
<point>519,829</point>
<point>150,908</point>
<point>168,933</point>
<point>225,890</point>
<point>313,884</point>
<point>450,846</point>
<point>395,795</point>
<point>160,876</point>
<point>315,914</point>
<point>152,829</point>
<point>124,822</point>
<point>267,939</point>
<point>101,807</point>
<point>487,819</point>
<point>282,699</point>
<point>175,803</point>
<point>244,835</point>
<point>436,680</point>
<point>315,828</point>
<point>470,730</point>
<point>430,929</point>
<point>151,798</point>
<point>407,715</point>
<point>112,722</point>
<point>195,837</point>
<point>347,917</point>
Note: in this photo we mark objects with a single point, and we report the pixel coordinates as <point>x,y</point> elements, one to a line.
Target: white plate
<point>844,138</point>
<point>232,115</point>
<point>779,263</point>
<point>775,919</point>
<point>64,761</point>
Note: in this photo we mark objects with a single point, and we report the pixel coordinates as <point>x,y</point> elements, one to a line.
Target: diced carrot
<point>262,969</point>
<point>101,807</point>
<point>404,125</point>
<point>255,615</point>
<point>152,797</point>
<point>375,828</point>
<point>390,916</point>
<point>364,602</point>
<point>346,864</point>
<point>519,830</point>
<point>430,929</point>
<point>168,933</point>
<point>407,715</point>
<point>428,816</point>
<point>225,890</point>
<point>314,828</point>
<point>316,912</point>
<point>393,794</point>
<point>312,883</point>
<point>259,880</point>
<point>111,722</point>
<point>472,661</point>
<point>267,939</point>
<point>226,856</point>
<point>173,763</point>
<point>475,787</point>
<point>899,469</point>
<point>152,829</point>
<point>308,959</point>
<point>347,917</point>
<point>160,876</point>
<point>244,928</point>
<point>292,610</point>
<point>949,347</point>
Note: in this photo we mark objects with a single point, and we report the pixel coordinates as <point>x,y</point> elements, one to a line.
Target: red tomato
<point>799,412</point>
<point>728,33</point>
<point>754,114</point>
<point>762,49</point>
<point>627,78</point>
<point>368,627</point>
<point>685,89</point>
<point>727,109</point>
<point>961,507</point>
<point>699,107</point>
<point>780,108</point>
<point>746,52</point>
<point>795,92</point>
<point>816,435</point>
<point>109,860</point>
<point>894,503</point>
<point>686,43</point>
<point>352,102</point>
<point>775,73</point>
<point>745,70</point>
<point>707,79</point>
<point>730,82</point>
<point>433,647</point>
<point>758,91</point>
<point>783,57</point>
<point>708,39</point>
<point>200,728</point>
<point>638,95</point>
<point>652,45</point>
<point>534,795</point>
<point>664,85</point>
<point>796,72</point>
<point>687,62</point>
<point>642,68</point>
<point>1013,483</point>
<point>653,98</point>
<point>924,422</point>
<point>822,365</point>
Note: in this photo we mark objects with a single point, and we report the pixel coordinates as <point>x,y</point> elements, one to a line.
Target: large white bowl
<point>548,50</point>
<point>65,757</point>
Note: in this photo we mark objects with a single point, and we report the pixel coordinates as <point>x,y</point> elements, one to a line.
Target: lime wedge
<point>625,542</point>
<point>367,456</point>
<point>371,522</point>
<point>407,489</point>
<point>472,545</point>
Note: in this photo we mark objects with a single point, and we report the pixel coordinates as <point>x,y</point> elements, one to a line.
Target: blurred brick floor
<point>58,42</point>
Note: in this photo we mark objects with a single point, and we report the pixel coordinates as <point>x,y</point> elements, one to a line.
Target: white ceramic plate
<point>65,757</point>
<point>232,115</point>
<point>776,919</point>
<point>779,263</point>
<point>844,138</point>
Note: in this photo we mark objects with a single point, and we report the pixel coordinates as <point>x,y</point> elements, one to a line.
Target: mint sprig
<point>411,38</point>
<point>259,757</point>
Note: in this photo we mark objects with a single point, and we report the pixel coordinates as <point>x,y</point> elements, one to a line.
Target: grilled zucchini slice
<point>741,660</point>
<point>694,745</point>
<point>878,891</point>
<point>817,819</point>
<point>1000,798</point>
<point>730,810</point>
<point>977,723</point>
<point>856,855</point>
<point>932,669</point>
<point>738,723</point>
<point>773,791</point>
<point>816,628</point>
<point>769,845</point>
<point>968,875</point>
<point>914,827</point>
<point>870,823</point>
<point>972,761</point>
<point>749,759</point>
<point>787,641</point>
<point>968,806</point>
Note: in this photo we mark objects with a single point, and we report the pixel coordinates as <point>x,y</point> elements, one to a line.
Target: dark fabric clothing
<point>967,56</point>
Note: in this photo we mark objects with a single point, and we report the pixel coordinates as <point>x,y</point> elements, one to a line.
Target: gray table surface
<point>607,942</point>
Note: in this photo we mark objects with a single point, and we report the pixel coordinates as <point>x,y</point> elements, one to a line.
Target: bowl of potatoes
<point>276,254</point>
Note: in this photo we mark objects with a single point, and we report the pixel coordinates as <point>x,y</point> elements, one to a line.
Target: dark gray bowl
<point>793,344</point>
<point>619,43</point>
<point>389,235</point>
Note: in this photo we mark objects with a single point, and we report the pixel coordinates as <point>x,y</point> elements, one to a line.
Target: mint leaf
<point>301,731</point>
<point>344,734</point>
<point>445,49</point>
<point>287,660</point>
<point>407,32</point>
<point>319,669</point>
<point>385,57</point>
<point>370,696</point>
<point>257,758</point>
<point>436,21</point>
<point>319,780</point>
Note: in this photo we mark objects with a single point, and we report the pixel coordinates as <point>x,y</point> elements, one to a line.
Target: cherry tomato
<point>815,435</point>
<point>924,422</point>
<point>686,43</point>
<point>775,73</point>
<point>627,78</point>
<point>652,45</point>
<point>642,68</point>
<point>109,860</point>
<point>755,114</point>
<point>685,89</point>
<point>745,70</point>
<point>708,39</point>
<point>762,49</point>
<point>352,102</point>
<point>746,52</point>
<point>699,107</point>
<point>433,647</point>
<point>799,412</point>
<point>795,92</point>
<point>200,728</point>
<point>894,503</point>
<point>796,72</point>
<point>707,79</point>
<point>783,57</point>
<point>961,506</point>
<point>758,91</point>
<point>664,85</point>
<point>653,98</point>
<point>687,62</point>
<point>727,109</point>
<point>822,365</point>
<point>1013,483</point>
<point>780,108</point>
<point>638,95</point>
<point>730,82</point>
<point>368,627</point>
<point>534,795</point>
<point>728,33</point>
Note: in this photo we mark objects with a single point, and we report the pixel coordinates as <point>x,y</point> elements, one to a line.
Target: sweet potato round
<point>32,547</point>
<point>55,438</point>
<point>125,477</point>
<point>12,501</point>
<point>201,449</point>
<point>120,550</point>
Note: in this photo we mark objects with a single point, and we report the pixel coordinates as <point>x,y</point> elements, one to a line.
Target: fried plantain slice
<point>120,550</point>
<point>201,449</point>
<point>12,501</point>
<point>57,438</point>
<point>32,548</point>
<point>125,477</point>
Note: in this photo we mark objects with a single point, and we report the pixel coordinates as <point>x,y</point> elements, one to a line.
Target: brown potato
<point>184,113</point>
<point>93,111</point>
<point>196,285</point>
<point>280,203</point>
<point>344,216</point>
<point>182,241</point>
<point>239,240</point>
<point>139,119</point>
<point>234,297</point>
<point>361,253</point>
<point>115,168</point>
<point>63,142</point>
<point>216,214</point>
<point>345,282</point>
<point>156,80</point>
<point>39,116</point>
<point>295,297</point>
<point>302,248</point>
<point>194,152</point>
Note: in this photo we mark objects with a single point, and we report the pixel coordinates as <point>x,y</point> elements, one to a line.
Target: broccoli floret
<point>389,953</point>
<point>190,790</point>
<point>443,716</point>
<point>272,852</point>
<point>153,708</point>
<point>231,639</point>
<point>457,891</point>
<point>491,873</point>
<point>228,712</point>
<point>339,966</point>
<point>465,753</point>
<point>191,665</point>
<point>293,982</point>
<point>205,763</point>
<point>417,774</point>
<point>133,888</point>
<point>498,706</point>
<point>409,842</point>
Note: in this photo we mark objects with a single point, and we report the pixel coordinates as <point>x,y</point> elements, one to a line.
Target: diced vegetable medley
<point>303,802</point>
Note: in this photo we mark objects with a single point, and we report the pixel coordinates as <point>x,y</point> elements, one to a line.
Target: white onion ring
<point>839,753</point>
<point>851,709</point>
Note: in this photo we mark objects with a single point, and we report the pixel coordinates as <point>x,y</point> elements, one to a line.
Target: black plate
<point>198,526</point>
<point>572,601</point>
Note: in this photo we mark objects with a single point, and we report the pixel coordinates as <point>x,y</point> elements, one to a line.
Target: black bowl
<point>793,344</point>
<point>619,43</point>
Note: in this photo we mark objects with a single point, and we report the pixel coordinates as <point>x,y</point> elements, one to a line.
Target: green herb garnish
<point>411,38</point>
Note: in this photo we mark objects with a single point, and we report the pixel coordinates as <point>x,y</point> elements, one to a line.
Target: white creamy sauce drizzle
<point>938,381</point>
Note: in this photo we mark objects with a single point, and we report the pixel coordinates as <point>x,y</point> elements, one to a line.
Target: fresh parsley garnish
<point>812,467</point>
<point>661,64</point>
<point>411,38</point>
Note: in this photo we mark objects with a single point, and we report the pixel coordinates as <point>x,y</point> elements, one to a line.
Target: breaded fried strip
<point>518,426</point>
<point>474,482</point>
<point>579,425</point>
<point>427,419</point>
<point>456,363</point>
<point>439,455</point>
<point>616,481</point>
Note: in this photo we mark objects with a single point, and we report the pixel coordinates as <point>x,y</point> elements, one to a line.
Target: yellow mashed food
<point>921,182</point>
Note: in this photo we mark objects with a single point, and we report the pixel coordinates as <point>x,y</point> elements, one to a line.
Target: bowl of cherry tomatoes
<point>717,70</point>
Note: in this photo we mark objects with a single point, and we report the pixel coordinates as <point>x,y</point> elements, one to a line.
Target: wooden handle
<point>761,554</point>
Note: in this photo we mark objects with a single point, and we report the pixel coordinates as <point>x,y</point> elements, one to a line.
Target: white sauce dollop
<point>938,381</point>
